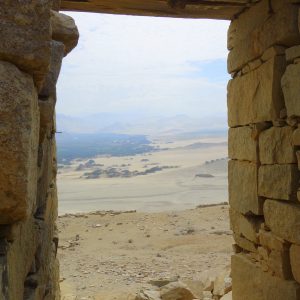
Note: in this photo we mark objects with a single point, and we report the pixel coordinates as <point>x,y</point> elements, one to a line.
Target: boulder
<point>64,30</point>
<point>227,296</point>
<point>148,295</point>
<point>176,291</point>
<point>222,283</point>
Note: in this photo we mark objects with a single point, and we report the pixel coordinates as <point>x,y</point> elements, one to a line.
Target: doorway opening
<point>142,158</point>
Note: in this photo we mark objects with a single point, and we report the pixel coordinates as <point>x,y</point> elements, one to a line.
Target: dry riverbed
<point>109,255</point>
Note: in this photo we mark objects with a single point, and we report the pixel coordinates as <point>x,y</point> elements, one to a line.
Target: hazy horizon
<point>136,71</point>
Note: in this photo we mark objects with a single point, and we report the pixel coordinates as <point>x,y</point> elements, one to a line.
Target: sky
<point>145,65</point>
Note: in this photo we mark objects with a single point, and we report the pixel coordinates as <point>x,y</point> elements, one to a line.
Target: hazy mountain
<point>140,124</point>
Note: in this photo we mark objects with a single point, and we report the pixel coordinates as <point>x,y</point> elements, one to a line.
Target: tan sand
<point>107,256</point>
<point>174,189</point>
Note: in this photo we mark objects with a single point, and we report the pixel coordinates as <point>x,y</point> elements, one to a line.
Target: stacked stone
<point>34,41</point>
<point>264,115</point>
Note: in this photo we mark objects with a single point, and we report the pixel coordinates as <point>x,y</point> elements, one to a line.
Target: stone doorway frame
<point>264,138</point>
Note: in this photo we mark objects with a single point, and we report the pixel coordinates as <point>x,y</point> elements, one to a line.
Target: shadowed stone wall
<point>264,145</point>
<point>33,42</point>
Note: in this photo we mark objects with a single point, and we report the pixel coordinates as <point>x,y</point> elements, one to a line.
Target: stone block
<point>292,53</point>
<point>249,282</point>
<point>47,109</point>
<point>64,30</point>
<point>242,178</point>
<point>45,176</point>
<point>278,181</point>
<point>257,29</point>
<point>276,146</point>
<point>245,226</point>
<point>245,243</point>
<point>279,264</point>
<point>273,51</point>
<point>291,89</point>
<point>25,36</point>
<point>256,96</point>
<point>21,256</point>
<point>296,137</point>
<point>18,143</point>
<point>283,219</point>
<point>241,144</point>
<point>49,85</point>
<point>268,240</point>
<point>295,261</point>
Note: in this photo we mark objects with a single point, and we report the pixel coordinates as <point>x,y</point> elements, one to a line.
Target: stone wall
<point>264,140</point>
<point>34,40</point>
<point>264,147</point>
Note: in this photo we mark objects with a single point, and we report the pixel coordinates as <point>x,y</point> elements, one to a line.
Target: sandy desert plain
<point>119,232</point>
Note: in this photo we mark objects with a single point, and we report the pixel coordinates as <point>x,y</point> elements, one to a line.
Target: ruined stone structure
<point>264,138</point>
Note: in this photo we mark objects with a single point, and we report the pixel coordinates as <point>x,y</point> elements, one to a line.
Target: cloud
<point>155,65</point>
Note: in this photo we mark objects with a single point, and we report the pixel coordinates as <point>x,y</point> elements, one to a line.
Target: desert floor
<point>109,255</point>
<point>171,189</point>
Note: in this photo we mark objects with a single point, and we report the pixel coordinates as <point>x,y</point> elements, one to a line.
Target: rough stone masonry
<point>33,41</point>
<point>264,138</point>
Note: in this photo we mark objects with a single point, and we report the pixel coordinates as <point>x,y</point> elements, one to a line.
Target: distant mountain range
<point>145,125</point>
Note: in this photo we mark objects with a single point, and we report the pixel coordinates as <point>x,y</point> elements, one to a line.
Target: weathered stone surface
<point>252,283</point>
<point>227,296</point>
<point>45,175</point>
<point>276,146</point>
<point>176,291</point>
<point>64,30</point>
<point>20,255</point>
<point>25,36</point>
<point>245,226</point>
<point>278,181</point>
<point>291,89</point>
<point>257,96</point>
<point>49,85</point>
<point>278,263</point>
<point>268,240</point>
<point>245,243</point>
<point>241,144</point>
<point>258,28</point>
<point>273,51</point>
<point>56,5</point>
<point>295,261</point>
<point>18,143</point>
<point>242,177</point>
<point>296,137</point>
<point>283,219</point>
<point>46,108</point>
<point>292,53</point>
<point>223,283</point>
<point>148,295</point>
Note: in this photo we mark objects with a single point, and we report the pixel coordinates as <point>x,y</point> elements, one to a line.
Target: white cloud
<point>125,63</point>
